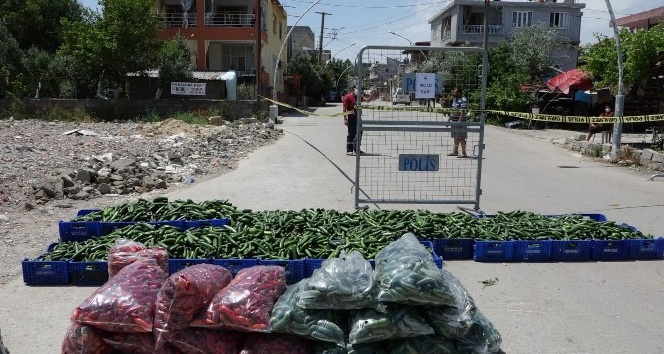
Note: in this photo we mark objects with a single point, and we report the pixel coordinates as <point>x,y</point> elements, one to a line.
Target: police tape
<point>529,116</point>
<point>523,115</point>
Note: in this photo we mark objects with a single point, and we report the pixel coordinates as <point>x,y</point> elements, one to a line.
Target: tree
<point>120,40</point>
<point>11,64</point>
<point>174,62</point>
<point>639,50</point>
<point>339,71</point>
<point>317,80</point>
<point>37,23</point>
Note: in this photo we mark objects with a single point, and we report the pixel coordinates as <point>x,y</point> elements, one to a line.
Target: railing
<point>176,19</point>
<point>445,35</point>
<point>479,29</point>
<point>229,20</point>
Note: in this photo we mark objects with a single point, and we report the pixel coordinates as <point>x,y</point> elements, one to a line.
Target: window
<point>281,29</point>
<point>559,20</point>
<point>274,24</point>
<point>522,19</point>
<point>238,57</point>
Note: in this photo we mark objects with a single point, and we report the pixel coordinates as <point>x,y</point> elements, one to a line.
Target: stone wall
<point>123,109</point>
<point>646,157</point>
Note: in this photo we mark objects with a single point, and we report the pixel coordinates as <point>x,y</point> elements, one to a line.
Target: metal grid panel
<point>391,134</point>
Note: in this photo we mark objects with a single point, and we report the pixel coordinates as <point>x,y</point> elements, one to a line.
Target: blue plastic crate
<point>176,265</point>
<point>106,228</point>
<point>493,251</point>
<point>84,212</point>
<point>571,250</point>
<point>78,231</point>
<point>532,250</point>
<point>192,224</point>
<point>646,248</point>
<point>295,268</point>
<point>38,272</point>
<point>88,273</point>
<point>454,248</point>
<point>609,250</point>
<point>235,265</point>
<point>180,224</point>
<point>596,217</point>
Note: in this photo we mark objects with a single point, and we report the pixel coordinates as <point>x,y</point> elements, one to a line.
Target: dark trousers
<point>352,132</point>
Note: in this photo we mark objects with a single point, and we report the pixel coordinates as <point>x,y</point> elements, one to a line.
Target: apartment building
<point>461,23</point>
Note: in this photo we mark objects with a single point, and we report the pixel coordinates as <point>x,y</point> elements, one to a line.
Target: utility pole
<point>485,39</point>
<point>320,43</point>
<point>620,97</point>
<point>257,59</point>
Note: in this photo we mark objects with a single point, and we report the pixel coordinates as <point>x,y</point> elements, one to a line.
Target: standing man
<point>459,106</point>
<point>350,119</point>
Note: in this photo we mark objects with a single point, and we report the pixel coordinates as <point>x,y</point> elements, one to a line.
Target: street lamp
<point>340,76</point>
<point>273,107</point>
<point>398,35</point>
<point>346,47</point>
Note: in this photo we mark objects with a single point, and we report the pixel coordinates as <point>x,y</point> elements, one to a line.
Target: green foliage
<point>11,63</point>
<point>532,47</point>
<point>36,23</point>
<point>174,62</point>
<point>340,70</point>
<point>639,52</point>
<point>316,79</point>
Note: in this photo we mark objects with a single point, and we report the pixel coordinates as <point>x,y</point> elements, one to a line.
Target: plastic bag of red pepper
<point>201,310</point>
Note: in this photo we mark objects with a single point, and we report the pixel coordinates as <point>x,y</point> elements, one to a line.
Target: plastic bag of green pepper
<point>245,304</point>
<point>406,274</point>
<point>397,322</point>
<point>185,294</point>
<point>343,283</point>
<point>288,317</point>
<point>453,322</point>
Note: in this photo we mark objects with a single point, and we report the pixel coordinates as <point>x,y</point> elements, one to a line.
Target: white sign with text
<point>188,88</point>
<point>426,85</point>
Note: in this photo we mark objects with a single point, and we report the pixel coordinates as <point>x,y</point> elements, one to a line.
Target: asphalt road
<point>593,307</point>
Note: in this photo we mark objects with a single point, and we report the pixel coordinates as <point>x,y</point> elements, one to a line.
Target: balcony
<point>445,35</point>
<point>176,19</point>
<point>229,20</point>
<point>479,29</point>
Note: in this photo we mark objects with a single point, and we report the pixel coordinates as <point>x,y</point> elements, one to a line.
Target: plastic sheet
<point>453,322</point>
<point>208,341</point>
<point>398,322</point>
<point>246,303</point>
<point>126,303</point>
<point>330,348</point>
<point>136,343</point>
<point>482,338</point>
<point>185,294</point>
<point>288,317</point>
<point>343,283</point>
<point>407,274</point>
<point>277,344</point>
<point>84,340</point>
<point>126,252</point>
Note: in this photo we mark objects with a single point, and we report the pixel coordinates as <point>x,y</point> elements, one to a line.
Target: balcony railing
<point>479,29</point>
<point>177,19</point>
<point>445,35</point>
<point>229,20</point>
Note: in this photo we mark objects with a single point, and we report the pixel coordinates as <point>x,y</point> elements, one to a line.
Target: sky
<point>353,24</point>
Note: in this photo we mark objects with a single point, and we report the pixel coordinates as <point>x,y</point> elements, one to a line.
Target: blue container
<point>295,269</point>
<point>571,250</point>
<point>180,224</point>
<point>106,228</point>
<point>646,248</point>
<point>532,251</point>
<point>38,272</point>
<point>176,265</point>
<point>206,223</point>
<point>84,212</point>
<point>494,251</point>
<point>88,273</point>
<point>235,265</point>
<point>455,248</point>
<point>610,250</point>
<point>78,231</point>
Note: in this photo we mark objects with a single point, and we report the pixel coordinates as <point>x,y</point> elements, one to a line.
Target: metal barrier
<point>406,149</point>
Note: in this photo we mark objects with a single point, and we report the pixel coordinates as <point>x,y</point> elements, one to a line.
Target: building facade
<point>642,20</point>
<point>222,35</point>
<point>461,23</point>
